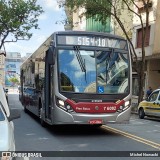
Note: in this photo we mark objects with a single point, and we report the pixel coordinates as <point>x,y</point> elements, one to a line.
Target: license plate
<point>95,121</point>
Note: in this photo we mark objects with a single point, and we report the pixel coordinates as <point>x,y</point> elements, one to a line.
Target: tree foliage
<point>102,9</point>
<point>17,18</point>
<point>14,80</point>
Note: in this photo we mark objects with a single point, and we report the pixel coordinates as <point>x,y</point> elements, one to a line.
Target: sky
<point>47,24</point>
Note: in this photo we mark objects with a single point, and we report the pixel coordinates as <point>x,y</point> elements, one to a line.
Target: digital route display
<point>95,41</point>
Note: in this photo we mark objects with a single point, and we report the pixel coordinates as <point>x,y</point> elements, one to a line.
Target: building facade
<point>79,21</point>
<point>152,47</point>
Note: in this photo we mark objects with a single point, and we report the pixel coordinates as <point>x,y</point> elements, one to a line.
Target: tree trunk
<point>141,81</point>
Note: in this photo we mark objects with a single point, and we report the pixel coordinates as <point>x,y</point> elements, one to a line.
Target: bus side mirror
<point>6,90</point>
<point>50,56</point>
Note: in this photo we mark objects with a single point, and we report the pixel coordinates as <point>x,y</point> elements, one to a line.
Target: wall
<point>126,17</point>
<point>156,48</point>
<point>136,25</point>
<point>154,73</point>
<point>79,22</point>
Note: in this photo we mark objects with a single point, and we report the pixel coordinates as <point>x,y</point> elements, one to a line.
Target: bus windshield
<point>99,72</point>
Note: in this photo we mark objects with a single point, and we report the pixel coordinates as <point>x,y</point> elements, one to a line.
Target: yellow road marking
<point>136,138</point>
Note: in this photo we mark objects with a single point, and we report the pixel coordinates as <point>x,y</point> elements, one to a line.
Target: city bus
<point>78,77</point>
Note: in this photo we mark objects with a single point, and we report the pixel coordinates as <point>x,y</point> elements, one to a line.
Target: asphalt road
<point>139,136</point>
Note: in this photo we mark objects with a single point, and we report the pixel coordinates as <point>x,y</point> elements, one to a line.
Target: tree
<point>17,18</point>
<point>14,80</point>
<point>102,9</point>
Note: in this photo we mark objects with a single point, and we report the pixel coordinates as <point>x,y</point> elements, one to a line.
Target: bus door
<point>50,97</point>
<point>49,69</point>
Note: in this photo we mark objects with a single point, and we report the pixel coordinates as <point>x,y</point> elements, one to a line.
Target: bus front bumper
<point>63,117</point>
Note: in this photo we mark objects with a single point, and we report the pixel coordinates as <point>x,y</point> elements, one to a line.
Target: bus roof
<point>88,33</point>
<point>47,42</point>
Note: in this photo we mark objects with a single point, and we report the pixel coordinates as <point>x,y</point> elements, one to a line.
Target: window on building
<point>13,60</point>
<point>139,37</point>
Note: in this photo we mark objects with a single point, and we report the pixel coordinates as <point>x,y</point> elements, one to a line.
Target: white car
<point>7,142</point>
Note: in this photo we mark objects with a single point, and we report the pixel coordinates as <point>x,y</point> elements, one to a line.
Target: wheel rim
<point>141,112</point>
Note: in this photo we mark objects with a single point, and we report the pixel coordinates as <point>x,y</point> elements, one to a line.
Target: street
<point>139,135</point>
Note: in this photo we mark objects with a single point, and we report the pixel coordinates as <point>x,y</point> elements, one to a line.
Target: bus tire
<point>97,125</point>
<point>141,113</point>
<point>25,109</point>
<point>42,122</point>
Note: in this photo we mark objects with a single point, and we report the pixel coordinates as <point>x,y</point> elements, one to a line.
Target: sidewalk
<point>134,109</point>
<point>13,91</point>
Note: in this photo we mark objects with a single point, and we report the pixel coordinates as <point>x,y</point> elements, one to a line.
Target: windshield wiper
<point>108,66</point>
<point>80,60</point>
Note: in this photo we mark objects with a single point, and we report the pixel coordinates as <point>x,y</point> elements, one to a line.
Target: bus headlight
<point>127,103</point>
<point>61,102</point>
<point>123,107</point>
<point>64,105</point>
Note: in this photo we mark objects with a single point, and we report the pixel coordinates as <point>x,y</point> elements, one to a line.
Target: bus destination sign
<point>92,41</point>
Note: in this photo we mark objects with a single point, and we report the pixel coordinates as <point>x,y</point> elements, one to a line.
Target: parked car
<point>150,106</point>
<point>7,142</point>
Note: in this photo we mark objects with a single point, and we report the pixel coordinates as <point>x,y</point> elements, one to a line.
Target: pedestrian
<point>149,91</point>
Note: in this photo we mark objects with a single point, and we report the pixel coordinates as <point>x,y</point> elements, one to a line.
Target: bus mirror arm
<point>51,56</point>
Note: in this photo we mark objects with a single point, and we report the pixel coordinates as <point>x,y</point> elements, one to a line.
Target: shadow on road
<point>72,130</point>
